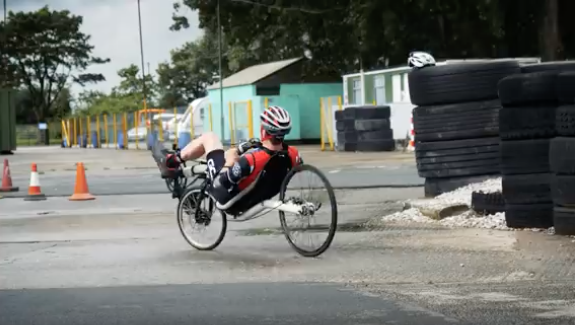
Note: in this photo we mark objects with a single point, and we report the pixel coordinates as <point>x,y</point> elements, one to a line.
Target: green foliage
<point>346,35</point>
<point>43,51</point>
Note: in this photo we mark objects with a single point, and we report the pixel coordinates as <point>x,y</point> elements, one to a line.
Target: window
<point>356,87</point>
<point>379,90</point>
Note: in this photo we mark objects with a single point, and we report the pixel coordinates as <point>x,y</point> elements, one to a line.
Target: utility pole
<point>143,71</point>
<point>221,76</point>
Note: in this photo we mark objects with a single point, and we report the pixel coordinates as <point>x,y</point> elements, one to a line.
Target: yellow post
<point>321,124</point>
<point>329,124</point>
<point>374,102</point>
<point>115,127</point>
<point>160,130</point>
<point>125,130</point>
<point>81,132</point>
<point>210,118</point>
<point>266,102</point>
<point>136,124</point>
<point>231,124</point>
<point>105,117</point>
<point>88,129</point>
<point>250,120</point>
<point>75,132</point>
<point>98,130</point>
<point>62,133</point>
<point>192,133</point>
<point>175,127</point>
<point>339,106</point>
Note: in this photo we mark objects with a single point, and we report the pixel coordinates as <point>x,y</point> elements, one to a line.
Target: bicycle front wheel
<point>320,215</point>
<point>197,214</point>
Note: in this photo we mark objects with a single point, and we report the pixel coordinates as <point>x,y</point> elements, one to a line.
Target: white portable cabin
<point>197,109</point>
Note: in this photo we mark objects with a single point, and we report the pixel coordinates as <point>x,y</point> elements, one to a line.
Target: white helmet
<point>275,121</point>
<point>420,60</point>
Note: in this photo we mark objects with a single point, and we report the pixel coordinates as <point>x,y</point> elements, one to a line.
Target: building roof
<point>254,73</point>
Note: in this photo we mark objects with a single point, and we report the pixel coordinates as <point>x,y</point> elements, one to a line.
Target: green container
<point>7,120</point>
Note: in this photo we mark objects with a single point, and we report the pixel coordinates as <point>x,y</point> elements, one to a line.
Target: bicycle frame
<point>200,172</point>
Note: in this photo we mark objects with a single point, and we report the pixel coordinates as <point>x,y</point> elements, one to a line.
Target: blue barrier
<point>120,143</point>
<point>152,137</point>
<point>95,139</point>
<point>183,139</point>
<point>83,141</point>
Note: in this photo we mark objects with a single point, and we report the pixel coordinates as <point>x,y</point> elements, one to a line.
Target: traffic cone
<point>81,192</point>
<point>34,192</point>
<point>7,179</point>
<point>411,144</point>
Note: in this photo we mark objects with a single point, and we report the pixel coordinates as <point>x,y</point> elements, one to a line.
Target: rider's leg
<point>205,143</point>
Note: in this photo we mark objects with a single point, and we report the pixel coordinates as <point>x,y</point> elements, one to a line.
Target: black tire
<point>525,157</point>
<point>371,125</point>
<point>565,87</point>
<point>359,136</point>
<point>528,88</point>
<point>563,190</point>
<point>367,112</point>
<point>333,203</point>
<point>487,203</point>
<point>456,121</point>
<point>455,83</point>
<point>345,125</point>
<point>562,155</point>
<point>194,191</point>
<point>565,120</point>
<point>529,215</point>
<point>367,146</point>
<point>549,66</point>
<point>526,189</point>
<point>437,186</point>
<point>339,116</point>
<point>527,122</point>
<point>446,159</point>
<point>564,221</point>
<point>445,148</point>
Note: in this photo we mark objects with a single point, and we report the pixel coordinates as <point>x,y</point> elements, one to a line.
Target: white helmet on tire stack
<point>418,60</point>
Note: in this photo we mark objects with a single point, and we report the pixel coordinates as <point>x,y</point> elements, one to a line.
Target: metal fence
<point>240,117</point>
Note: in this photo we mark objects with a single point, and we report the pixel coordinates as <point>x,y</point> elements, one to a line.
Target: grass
<point>33,142</point>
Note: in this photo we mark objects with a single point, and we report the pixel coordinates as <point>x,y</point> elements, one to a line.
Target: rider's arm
<point>238,171</point>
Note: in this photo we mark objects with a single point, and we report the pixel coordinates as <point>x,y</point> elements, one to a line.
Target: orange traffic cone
<point>81,192</point>
<point>7,179</point>
<point>34,191</point>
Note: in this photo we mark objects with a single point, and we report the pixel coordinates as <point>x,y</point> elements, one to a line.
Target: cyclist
<point>234,170</point>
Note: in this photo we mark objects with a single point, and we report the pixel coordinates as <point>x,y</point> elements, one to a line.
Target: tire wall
<point>456,122</point>
<point>537,133</point>
<point>364,129</point>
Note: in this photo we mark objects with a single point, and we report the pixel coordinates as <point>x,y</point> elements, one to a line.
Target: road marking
<point>335,171</point>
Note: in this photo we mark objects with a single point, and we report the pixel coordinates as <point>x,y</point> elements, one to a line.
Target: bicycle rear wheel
<point>316,209</point>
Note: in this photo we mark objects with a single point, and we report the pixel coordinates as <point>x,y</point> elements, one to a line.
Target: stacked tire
<point>562,157</point>
<point>527,126</point>
<point>456,122</point>
<point>364,129</point>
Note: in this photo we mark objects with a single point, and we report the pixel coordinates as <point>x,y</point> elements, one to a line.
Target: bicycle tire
<point>333,203</point>
<point>191,191</point>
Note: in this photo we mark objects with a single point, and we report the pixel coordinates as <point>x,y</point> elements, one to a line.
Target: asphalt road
<point>148,181</point>
<point>233,304</point>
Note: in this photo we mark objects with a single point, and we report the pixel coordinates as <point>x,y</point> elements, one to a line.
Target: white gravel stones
<point>460,196</point>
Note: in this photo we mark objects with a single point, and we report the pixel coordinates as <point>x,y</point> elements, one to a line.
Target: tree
<point>131,87</point>
<point>43,51</point>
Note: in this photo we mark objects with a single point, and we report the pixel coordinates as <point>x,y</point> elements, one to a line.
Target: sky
<point>113,25</point>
